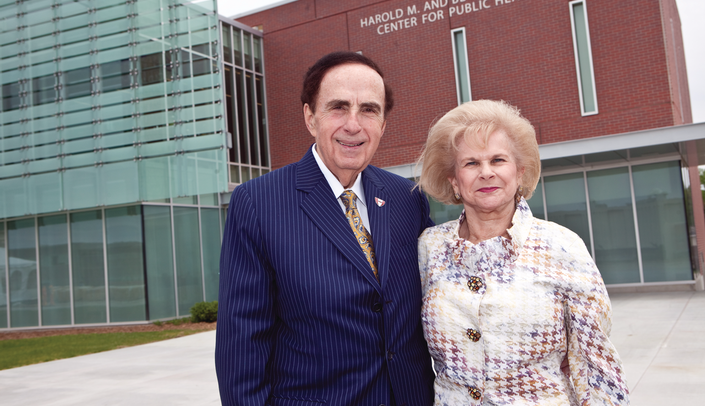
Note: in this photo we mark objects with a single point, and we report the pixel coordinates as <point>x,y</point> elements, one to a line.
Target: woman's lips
<point>487,189</point>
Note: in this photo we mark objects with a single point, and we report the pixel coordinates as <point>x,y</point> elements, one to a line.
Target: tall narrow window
<point>462,73</point>
<point>583,58</point>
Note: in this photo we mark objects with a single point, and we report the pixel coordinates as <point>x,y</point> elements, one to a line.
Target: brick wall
<point>520,51</point>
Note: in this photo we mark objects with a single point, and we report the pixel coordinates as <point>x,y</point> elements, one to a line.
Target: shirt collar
<point>335,184</point>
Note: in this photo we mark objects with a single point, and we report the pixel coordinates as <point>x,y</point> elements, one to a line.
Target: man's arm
<point>246,316</point>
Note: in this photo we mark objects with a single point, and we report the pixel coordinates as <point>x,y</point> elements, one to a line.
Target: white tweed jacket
<point>500,316</point>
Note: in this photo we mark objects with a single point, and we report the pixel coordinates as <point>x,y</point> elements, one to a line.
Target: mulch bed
<point>15,335</point>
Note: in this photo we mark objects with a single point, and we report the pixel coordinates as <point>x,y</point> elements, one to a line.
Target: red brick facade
<point>518,50</point>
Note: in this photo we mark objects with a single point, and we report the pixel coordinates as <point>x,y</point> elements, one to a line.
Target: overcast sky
<point>692,14</point>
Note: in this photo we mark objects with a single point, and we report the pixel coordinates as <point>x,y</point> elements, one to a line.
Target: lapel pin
<point>379,201</point>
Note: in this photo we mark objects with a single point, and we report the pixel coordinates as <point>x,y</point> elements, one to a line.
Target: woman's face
<point>487,179</point>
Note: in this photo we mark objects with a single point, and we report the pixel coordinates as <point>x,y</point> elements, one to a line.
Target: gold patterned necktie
<point>361,234</point>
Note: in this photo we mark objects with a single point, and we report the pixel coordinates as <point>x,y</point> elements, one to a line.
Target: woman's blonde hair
<point>474,122</point>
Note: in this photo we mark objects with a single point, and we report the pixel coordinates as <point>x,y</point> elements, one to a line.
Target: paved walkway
<point>660,337</point>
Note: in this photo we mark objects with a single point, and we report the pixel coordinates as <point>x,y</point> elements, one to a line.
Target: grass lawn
<point>27,351</point>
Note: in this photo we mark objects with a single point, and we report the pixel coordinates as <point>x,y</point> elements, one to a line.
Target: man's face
<point>349,119</point>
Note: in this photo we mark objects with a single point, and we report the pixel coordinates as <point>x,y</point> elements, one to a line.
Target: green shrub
<point>204,312</point>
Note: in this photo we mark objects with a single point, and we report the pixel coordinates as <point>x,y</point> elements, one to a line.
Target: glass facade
<point>114,156</point>
<point>246,121</point>
<point>583,58</point>
<point>462,72</point>
<point>120,264</point>
<point>628,206</point>
<point>108,102</point>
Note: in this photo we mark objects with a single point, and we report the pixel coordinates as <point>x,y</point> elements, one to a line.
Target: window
<point>43,90</point>
<point>460,59</point>
<point>77,83</point>
<point>151,66</point>
<point>583,58</point>
<point>10,96</point>
<point>115,75</point>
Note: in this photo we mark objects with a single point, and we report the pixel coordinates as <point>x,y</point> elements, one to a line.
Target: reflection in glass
<point>210,227</point>
<point>123,233</point>
<point>160,265</point>
<point>536,202</point>
<point>227,45</point>
<point>566,203</point>
<point>237,46</point>
<point>3,279</point>
<point>188,258</point>
<point>54,270</point>
<point>613,225</point>
<point>658,191</point>
<point>87,267</point>
<point>21,248</point>
<point>242,129</point>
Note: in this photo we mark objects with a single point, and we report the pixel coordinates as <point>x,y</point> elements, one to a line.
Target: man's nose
<point>352,123</point>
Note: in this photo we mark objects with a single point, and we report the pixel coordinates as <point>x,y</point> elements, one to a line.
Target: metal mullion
<point>68,232</point>
<point>39,279</point>
<point>7,275</point>
<point>200,243</point>
<point>636,226</point>
<point>173,254</point>
<point>587,206</point>
<point>543,194</point>
<point>105,268</point>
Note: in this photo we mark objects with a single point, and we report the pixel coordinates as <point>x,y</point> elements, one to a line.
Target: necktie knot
<point>348,197</point>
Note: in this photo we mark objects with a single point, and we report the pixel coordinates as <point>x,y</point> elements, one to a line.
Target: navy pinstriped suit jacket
<point>302,319</point>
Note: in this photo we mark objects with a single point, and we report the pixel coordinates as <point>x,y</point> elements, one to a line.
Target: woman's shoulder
<point>549,231</point>
<point>440,232</point>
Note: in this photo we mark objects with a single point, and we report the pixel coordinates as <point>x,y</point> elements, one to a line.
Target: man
<point>310,310</point>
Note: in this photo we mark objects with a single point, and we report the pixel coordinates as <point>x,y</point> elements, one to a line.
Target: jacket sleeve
<point>246,315</point>
<point>595,367</point>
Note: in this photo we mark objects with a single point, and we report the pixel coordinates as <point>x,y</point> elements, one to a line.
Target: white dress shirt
<point>338,190</point>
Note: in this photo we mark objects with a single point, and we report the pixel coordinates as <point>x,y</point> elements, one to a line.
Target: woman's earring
<point>457,196</point>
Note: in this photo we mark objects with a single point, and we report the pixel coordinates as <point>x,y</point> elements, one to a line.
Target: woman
<point>507,297</point>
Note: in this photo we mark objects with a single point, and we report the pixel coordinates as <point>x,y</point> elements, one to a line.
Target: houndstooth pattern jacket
<point>500,316</point>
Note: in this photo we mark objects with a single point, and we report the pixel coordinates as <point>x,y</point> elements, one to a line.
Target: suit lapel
<point>323,209</point>
<point>378,209</point>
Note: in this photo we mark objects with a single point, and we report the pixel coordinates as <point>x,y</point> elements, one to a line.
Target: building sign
<point>428,12</point>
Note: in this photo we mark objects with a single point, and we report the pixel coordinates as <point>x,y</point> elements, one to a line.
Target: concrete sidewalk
<point>660,337</point>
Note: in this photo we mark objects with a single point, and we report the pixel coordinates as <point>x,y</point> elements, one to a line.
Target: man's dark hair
<point>315,74</point>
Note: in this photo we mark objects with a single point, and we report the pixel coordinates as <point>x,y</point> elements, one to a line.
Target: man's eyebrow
<point>337,103</point>
<point>372,105</point>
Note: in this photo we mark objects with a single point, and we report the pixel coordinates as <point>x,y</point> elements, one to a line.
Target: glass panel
<point>227,44</point>
<point>536,202</point>
<point>231,113</point>
<point>262,121</point>
<point>258,53</point>
<point>43,89</point>
<point>151,68</point>
<point>237,46</point>
<point>461,66</point>
<point>566,203</point>
<point>77,83</point>
<point>562,163</point>
<point>234,174</point>
<point>87,267</point>
<point>658,191</point>
<point>188,258</point>
<point>160,265</point>
<point>21,247</point>
<point>210,227</point>
<point>3,279</point>
<point>248,49</point>
<point>115,75</point>
<point>191,200</point>
<point>252,103</point>
<point>123,233</point>
<point>241,131</point>
<point>10,96</point>
<point>441,213</point>
<point>582,43</point>
<point>613,225</point>
<point>209,199</point>
<point>54,270</point>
